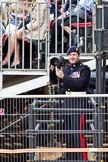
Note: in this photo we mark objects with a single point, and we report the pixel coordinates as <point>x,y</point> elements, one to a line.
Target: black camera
<point>58,62</point>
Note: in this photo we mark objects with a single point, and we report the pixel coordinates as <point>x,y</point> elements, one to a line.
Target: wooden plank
<point>51,149</point>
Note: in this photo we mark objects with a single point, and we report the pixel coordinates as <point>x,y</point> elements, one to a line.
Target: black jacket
<point>76,77</point>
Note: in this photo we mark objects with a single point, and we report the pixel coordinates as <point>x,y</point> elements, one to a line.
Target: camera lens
<point>54,61</point>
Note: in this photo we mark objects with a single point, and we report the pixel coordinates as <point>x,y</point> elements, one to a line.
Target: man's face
<point>73,57</point>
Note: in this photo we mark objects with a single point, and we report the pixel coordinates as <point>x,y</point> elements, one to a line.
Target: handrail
<point>51,149</point>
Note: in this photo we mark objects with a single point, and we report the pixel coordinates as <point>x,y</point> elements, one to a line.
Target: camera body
<point>58,62</point>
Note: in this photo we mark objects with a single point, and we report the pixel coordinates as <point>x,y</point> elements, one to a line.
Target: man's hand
<point>59,73</point>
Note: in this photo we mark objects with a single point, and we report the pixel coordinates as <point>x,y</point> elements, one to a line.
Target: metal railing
<point>80,32</point>
<point>45,127</point>
<point>34,47</point>
<point>34,54</point>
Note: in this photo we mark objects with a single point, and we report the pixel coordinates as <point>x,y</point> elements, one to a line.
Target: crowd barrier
<point>32,127</point>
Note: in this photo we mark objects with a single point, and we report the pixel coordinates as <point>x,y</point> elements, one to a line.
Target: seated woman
<point>17,12</point>
<point>35,30</point>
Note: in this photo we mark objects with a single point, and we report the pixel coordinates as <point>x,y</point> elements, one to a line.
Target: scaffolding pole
<point>99,80</point>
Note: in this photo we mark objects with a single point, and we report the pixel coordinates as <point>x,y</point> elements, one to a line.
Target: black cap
<point>73,49</point>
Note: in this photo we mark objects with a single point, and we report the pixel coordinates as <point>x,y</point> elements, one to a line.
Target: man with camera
<point>75,78</point>
<point>75,75</point>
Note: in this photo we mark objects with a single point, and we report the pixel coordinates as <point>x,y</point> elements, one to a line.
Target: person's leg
<point>14,43</point>
<point>10,50</point>
<point>68,29</point>
<point>78,120</point>
<point>18,37</point>
<point>69,137</point>
<point>72,139</point>
<point>72,122</point>
<point>69,125</point>
<point>76,136</point>
<point>56,28</point>
<point>16,59</point>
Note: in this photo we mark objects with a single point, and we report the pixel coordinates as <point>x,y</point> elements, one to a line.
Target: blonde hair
<point>3,14</point>
<point>16,7</point>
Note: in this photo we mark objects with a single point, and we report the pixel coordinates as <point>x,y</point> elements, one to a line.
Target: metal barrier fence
<point>25,35</point>
<point>73,27</point>
<point>54,127</point>
<point>35,52</point>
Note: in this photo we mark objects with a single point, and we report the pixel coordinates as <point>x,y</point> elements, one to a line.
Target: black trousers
<point>72,121</point>
<point>58,30</point>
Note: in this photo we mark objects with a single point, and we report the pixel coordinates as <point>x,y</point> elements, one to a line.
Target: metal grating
<point>33,128</point>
